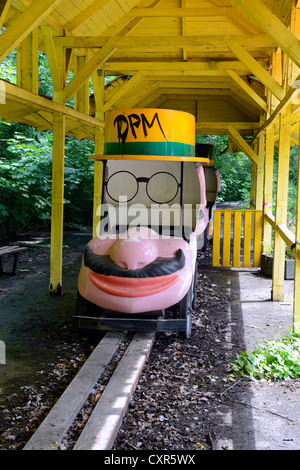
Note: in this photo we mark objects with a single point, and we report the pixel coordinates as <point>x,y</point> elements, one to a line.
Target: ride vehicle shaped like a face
<point>136,272</point>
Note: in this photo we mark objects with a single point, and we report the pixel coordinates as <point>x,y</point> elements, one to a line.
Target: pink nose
<point>133,253</point>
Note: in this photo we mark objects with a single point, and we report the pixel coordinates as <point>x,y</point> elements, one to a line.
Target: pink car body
<point>140,272</point>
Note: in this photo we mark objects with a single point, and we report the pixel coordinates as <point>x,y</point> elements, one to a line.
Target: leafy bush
<point>278,359</point>
<point>26,180</point>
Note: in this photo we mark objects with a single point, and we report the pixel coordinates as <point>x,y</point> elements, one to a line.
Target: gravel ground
<point>184,400</point>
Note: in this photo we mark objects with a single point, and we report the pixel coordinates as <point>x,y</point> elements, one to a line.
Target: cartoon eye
<point>162,187</point>
<point>122,183</point>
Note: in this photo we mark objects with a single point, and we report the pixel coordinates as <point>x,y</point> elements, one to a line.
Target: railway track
<point>99,395</point>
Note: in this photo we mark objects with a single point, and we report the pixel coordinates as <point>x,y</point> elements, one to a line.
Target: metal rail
<point>101,428</point>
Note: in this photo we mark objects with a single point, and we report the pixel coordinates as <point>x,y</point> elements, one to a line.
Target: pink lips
<point>132,287</point>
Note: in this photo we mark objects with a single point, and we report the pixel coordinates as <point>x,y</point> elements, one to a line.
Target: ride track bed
<point>86,417</point>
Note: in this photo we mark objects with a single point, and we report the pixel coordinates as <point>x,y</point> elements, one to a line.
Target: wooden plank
<point>246,88</point>
<point>226,238</point>
<point>22,96</point>
<point>85,72</point>
<point>85,14</point>
<point>271,25</point>
<point>246,58</point>
<point>180,12</point>
<point>216,239</point>
<point>53,429</point>
<point>55,67</point>
<point>236,255</point>
<point>159,42</point>
<point>127,88</point>
<point>296,304</point>
<point>57,204</point>
<point>257,238</point>
<point>281,205</point>
<point>242,144</point>
<point>25,24</point>
<point>4,7</point>
<point>247,239</point>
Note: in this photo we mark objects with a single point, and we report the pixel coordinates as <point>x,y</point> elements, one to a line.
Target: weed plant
<point>276,360</point>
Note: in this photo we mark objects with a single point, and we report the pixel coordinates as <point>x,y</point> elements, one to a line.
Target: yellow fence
<point>236,238</point>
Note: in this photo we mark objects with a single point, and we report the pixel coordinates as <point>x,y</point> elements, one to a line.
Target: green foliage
<point>235,170</point>
<point>278,359</point>
<point>26,175</point>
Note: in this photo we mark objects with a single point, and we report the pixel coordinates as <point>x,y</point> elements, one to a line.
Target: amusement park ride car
<point>140,272</point>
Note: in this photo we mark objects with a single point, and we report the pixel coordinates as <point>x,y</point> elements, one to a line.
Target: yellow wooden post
<point>268,188</point>
<point>57,204</point>
<point>296,307</point>
<point>98,84</point>
<point>281,204</point>
<point>259,188</point>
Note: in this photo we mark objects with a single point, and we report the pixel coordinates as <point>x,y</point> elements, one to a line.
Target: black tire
<point>194,293</point>
<point>185,314</point>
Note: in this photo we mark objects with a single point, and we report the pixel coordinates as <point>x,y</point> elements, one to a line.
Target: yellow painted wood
<point>257,238</point>
<point>246,228</point>
<point>85,14</point>
<point>247,238</point>
<point>246,58</point>
<point>236,255</point>
<point>22,96</point>
<point>226,238</point>
<point>57,204</point>
<point>281,205</point>
<point>268,188</point>
<point>98,85</point>
<point>259,188</point>
<point>4,7</point>
<point>216,239</point>
<point>296,305</point>
<point>271,25</point>
<point>190,41</point>
<point>81,97</point>
<point>25,24</point>
<point>245,87</point>
<point>85,72</point>
<point>127,88</point>
<point>242,144</point>
<point>53,60</point>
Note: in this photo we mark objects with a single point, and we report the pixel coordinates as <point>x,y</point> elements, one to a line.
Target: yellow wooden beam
<point>291,95</point>
<point>25,24</point>
<point>85,14</point>
<point>281,204</point>
<point>53,60</point>
<point>22,96</point>
<point>98,80</point>
<point>268,187</point>
<point>242,144</point>
<point>180,12</point>
<point>27,62</point>
<point>271,25</point>
<point>296,306</point>
<point>161,42</point>
<point>127,88</point>
<point>196,67</point>
<point>4,7</point>
<point>246,58</point>
<point>57,204</point>
<point>85,72</point>
<point>246,88</point>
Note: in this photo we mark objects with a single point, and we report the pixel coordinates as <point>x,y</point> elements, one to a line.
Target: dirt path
<point>184,399</point>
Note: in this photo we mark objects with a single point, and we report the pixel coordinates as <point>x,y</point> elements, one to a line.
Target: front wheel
<point>185,314</point>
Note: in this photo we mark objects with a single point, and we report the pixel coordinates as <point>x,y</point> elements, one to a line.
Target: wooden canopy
<point>221,60</point>
<point>233,64</point>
